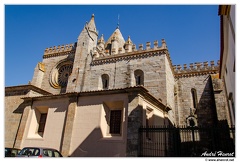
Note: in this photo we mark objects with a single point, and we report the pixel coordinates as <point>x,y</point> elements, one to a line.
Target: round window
<point>63,73</point>
<point>60,74</point>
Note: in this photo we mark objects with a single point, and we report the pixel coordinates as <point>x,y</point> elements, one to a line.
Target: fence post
<point>176,141</point>
<point>140,141</point>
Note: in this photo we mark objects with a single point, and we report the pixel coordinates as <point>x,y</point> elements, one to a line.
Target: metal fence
<point>182,141</point>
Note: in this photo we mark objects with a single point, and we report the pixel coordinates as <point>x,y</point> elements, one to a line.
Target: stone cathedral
<point>90,97</point>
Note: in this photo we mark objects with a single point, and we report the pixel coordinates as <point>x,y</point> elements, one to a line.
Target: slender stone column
<point>68,129</point>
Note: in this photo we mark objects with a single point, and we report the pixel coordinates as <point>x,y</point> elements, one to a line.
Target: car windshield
<point>30,152</point>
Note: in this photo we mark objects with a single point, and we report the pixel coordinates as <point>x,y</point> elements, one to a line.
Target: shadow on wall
<point>213,135</point>
<point>95,145</point>
<point>93,142</point>
<point>21,107</point>
<point>206,109</point>
<point>24,104</point>
<point>134,122</point>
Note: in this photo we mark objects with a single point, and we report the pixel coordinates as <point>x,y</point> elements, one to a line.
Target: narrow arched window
<point>194,97</point>
<point>139,77</point>
<point>105,81</point>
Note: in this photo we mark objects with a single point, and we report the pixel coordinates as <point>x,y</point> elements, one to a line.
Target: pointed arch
<point>194,97</point>
<point>139,77</point>
<point>105,81</point>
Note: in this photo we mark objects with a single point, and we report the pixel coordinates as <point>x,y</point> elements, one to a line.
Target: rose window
<point>60,74</point>
<point>63,74</point>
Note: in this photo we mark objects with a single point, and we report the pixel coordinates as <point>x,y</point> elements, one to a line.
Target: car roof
<point>41,147</point>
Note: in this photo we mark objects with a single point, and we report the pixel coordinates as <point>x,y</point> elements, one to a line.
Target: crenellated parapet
<point>129,56</point>
<point>129,48</point>
<point>59,50</point>
<point>194,69</point>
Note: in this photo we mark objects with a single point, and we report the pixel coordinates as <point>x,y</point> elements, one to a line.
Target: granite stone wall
<point>207,111</point>
<point>12,119</point>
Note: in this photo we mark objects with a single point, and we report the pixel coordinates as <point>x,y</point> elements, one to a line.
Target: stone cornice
<point>195,73</point>
<point>195,70</point>
<point>128,56</point>
<point>59,50</point>
<point>23,90</point>
<point>59,54</point>
<point>129,90</point>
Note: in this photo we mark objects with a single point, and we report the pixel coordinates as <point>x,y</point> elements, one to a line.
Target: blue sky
<point>192,32</point>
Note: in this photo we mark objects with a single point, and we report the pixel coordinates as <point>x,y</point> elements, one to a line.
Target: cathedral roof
<point>138,89</point>
<point>24,89</point>
<point>117,35</point>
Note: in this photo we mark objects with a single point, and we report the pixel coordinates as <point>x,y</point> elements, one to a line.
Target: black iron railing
<point>182,141</point>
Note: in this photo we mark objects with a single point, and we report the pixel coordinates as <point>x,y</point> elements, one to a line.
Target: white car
<point>39,152</point>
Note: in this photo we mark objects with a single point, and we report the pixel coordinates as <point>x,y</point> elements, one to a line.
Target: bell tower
<point>87,41</point>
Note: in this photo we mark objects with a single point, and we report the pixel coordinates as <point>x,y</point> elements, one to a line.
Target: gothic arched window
<point>139,77</point>
<point>194,97</point>
<point>105,81</point>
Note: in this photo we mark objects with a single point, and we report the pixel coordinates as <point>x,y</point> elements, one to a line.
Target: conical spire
<point>128,45</point>
<point>115,42</point>
<point>101,40</point>
<point>91,25</point>
<point>101,43</point>
<point>90,29</point>
<point>129,41</point>
<point>118,36</point>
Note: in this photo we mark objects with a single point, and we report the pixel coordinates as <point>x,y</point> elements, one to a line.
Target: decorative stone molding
<point>59,50</point>
<point>126,57</point>
<point>196,69</point>
<point>41,66</point>
<point>131,90</point>
<point>127,48</point>
<point>23,90</point>
<point>60,73</point>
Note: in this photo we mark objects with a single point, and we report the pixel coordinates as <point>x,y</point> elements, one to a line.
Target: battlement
<point>197,68</point>
<point>128,48</point>
<point>59,49</point>
<point>148,46</point>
